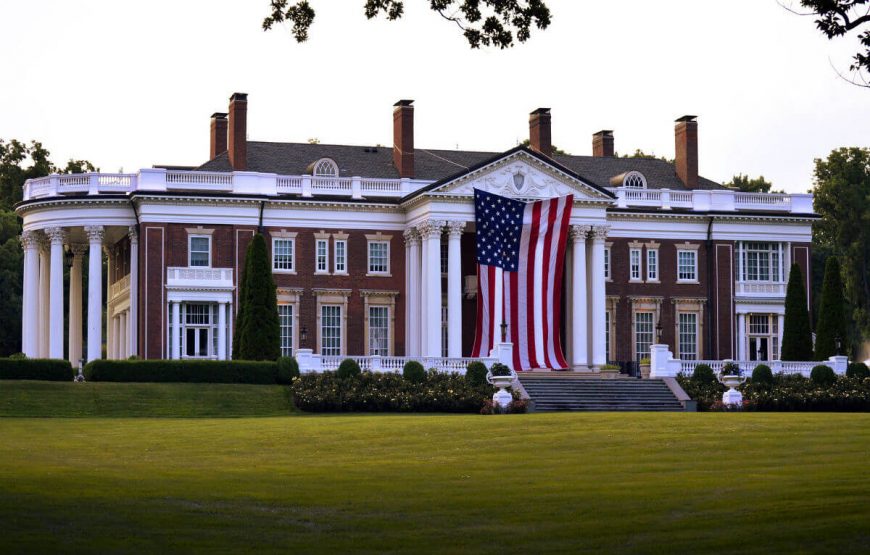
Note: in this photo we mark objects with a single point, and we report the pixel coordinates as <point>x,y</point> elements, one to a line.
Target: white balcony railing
<point>210,278</point>
<point>719,200</point>
<point>119,287</point>
<point>759,289</point>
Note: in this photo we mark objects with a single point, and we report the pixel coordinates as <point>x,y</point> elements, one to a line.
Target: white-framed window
<point>687,324</point>
<point>285,318</point>
<point>445,333</point>
<point>198,330</point>
<point>379,330</point>
<point>643,334</point>
<point>445,253</point>
<point>321,255</point>
<point>379,257</point>
<point>634,264</point>
<point>325,167</point>
<point>283,254</point>
<point>763,337</point>
<point>607,263</point>
<point>330,330</point>
<point>761,261</point>
<point>652,264</point>
<point>199,250</point>
<point>340,256</point>
<point>687,265</point>
<point>634,180</point>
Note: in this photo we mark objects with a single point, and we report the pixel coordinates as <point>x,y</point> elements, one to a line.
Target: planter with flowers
<point>501,376</point>
<point>731,376</point>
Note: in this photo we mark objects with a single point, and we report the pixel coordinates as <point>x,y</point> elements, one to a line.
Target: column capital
<point>430,228</point>
<point>56,235</point>
<point>78,249</point>
<point>95,233</point>
<point>580,232</point>
<point>29,240</point>
<point>599,232</point>
<point>133,234</point>
<point>411,235</point>
<point>455,228</point>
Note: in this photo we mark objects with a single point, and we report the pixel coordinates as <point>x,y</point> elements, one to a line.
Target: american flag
<point>520,259</point>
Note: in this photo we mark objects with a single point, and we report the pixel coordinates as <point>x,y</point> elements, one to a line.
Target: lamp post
<point>839,345</point>
<point>303,337</point>
<point>503,331</point>
<point>659,332</point>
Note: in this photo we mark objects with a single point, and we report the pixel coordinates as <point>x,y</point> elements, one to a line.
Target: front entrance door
<point>196,342</point>
<point>758,349</point>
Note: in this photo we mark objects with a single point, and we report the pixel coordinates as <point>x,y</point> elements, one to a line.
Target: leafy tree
<point>259,332</point>
<point>556,150</point>
<point>482,22</point>
<point>20,162</point>
<point>744,183</point>
<point>797,340</point>
<point>832,322</point>
<point>842,198</point>
<point>638,153</point>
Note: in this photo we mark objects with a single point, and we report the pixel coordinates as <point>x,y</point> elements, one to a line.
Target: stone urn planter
<point>731,376</point>
<point>502,377</point>
<point>644,368</point>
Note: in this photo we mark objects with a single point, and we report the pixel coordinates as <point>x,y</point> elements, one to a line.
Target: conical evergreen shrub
<point>259,332</point>
<point>797,339</point>
<point>832,321</point>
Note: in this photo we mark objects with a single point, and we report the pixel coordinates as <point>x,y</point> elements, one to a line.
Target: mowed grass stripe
<point>616,483</point>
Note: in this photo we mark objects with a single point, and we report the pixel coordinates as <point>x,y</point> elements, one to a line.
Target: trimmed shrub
<point>475,373</point>
<point>797,340</point>
<point>499,369</point>
<point>703,374</point>
<point>832,321</point>
<point>413,372</point>
<point>858,370</point>
<point>348,369</point>
<point>762,375</point>
<point>823,376</point>
<point>288,369</point>
<point>48,369</point>
<point>259,332</point>
<point>191,371</point>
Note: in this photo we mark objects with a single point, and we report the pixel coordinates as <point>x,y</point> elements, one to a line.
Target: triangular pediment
<point>520,173</point>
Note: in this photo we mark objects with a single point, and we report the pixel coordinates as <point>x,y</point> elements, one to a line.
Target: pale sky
<point>132,84</point>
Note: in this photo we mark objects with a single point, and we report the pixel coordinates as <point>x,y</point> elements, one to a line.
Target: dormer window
<point>635,180</point>
<point>325,167</point>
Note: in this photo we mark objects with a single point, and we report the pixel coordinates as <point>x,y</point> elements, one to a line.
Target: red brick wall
<point>723,318</point>
<point>152,296</point>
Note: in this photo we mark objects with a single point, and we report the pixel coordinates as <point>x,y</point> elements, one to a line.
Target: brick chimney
<point>218,135</point>
<point>238,128</point>
<point>686,149</point>
<point>403,137</point>
<point>602,144</point>
<point>539,131</point>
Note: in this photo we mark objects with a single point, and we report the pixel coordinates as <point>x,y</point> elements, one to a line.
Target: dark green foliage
<point>475,373</point>
<point>836,19</point>
<point>49,369</point>
<point>705,390</point>
<point>387,392</point>
<point>413,372</point>
<point>703,374</point>
<point>762,375</point>
<point>499,369</point>
<point>348,369</point>
<point>858,370</point>
<point>832,321</point>
<point>200,371</point>
<point>259,336</point>
<point>797,341</point>
<point>744,183</point>
<point>288,369</point>
<point>823,375</point>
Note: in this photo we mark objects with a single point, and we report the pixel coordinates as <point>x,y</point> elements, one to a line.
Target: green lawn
<point>568,483</point>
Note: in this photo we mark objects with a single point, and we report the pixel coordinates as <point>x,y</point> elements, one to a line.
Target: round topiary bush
<point>348,369</point>
<point>762,375</point>
<point>288,369</point>
<point>475,373</point>
<point>823,375</point>
<point>703,374</point>
<point>414,372</point>
<point>858,370</point>
<point>499,369</point>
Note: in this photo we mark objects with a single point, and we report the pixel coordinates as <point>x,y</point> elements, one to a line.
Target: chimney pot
<point>686,150</point>
<point>602,144</point>
<point>539,131</point>
<point>403,137</point>
<point>218,139</point>
<point>237,144</point>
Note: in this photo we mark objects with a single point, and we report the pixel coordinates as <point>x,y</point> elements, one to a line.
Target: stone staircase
<point>584,392</point>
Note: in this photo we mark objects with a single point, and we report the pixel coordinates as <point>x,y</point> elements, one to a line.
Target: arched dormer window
<point>630,180</point>
<point>326,167</point>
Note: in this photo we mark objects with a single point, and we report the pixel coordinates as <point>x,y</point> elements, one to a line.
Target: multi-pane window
<point>643,333</point>
<point>379,261</point>
<point>199,249</point>
<point>198,329</point>
<point>607,334</point>
<point>325,168</point>
<point>687,323</point>
<point>444,330</point>
<point>763,337</point>
<point>761,261</point>
<point>379,330</point>
<point>321,255</point>
<point>285,318</point>
<point>687,265</point>
<point>634,264</point>
<point>341,256</point>
<point>330,330</point>
<point>444,257</point>
<point>607,263</point>
<point>652,265</point>
<point>282,254</point>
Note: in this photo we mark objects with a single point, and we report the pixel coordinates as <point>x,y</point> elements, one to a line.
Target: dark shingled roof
<point>364,161</point>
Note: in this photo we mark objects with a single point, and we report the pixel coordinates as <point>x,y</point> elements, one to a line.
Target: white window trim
<point>372,297</point>
<point>292,296</point>
<point>643,304</point>
<point>653,248</point>
<point>689,305</point>
<point>608,268</point>
<point>336,239</point>
<point>632,248</point>
<point>694,252</point>
<point>190,237</point>
<point>378,238</point>
<point>332,297</point>
<point>284,236</point>
<point>324,237</point>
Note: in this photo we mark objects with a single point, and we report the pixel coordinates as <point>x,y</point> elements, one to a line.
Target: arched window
<point>635,180</point>
<point>325,167</point>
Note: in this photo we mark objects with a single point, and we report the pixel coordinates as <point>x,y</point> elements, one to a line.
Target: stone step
<point>568,393</point>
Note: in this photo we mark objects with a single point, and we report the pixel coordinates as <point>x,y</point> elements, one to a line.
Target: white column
<point>599,357</point>
<point>121,348</point>
<point>454,288</point>
<point>498,312</point>
<point>111,333</point>
<point>222,331</point>
<point>116,333</point>
<point>74,346</point>
<point>30,295</point>
<point>579,355</point>
<point>740,261</point>
<point>176,330</point>
<point>741,337</point>
<point>44,301</point>
<point>230,329</point>
<point>95,291</point>
<point>424,295</point>
<point>413,293</point>
<point>780,322</point>
<point>430,231</point>
<point>133,320</point>
<point>786,258</point>
<point>57,236</point>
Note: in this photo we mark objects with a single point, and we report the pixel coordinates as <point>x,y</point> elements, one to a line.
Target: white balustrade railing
<point>199,178</point>
<point>712,200</point>
<point>760,289</point>
<point>309,362</point>
<point>119,286</point>
<point>180,276</point>
<point>751,200</point>
<point>804,367</point>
